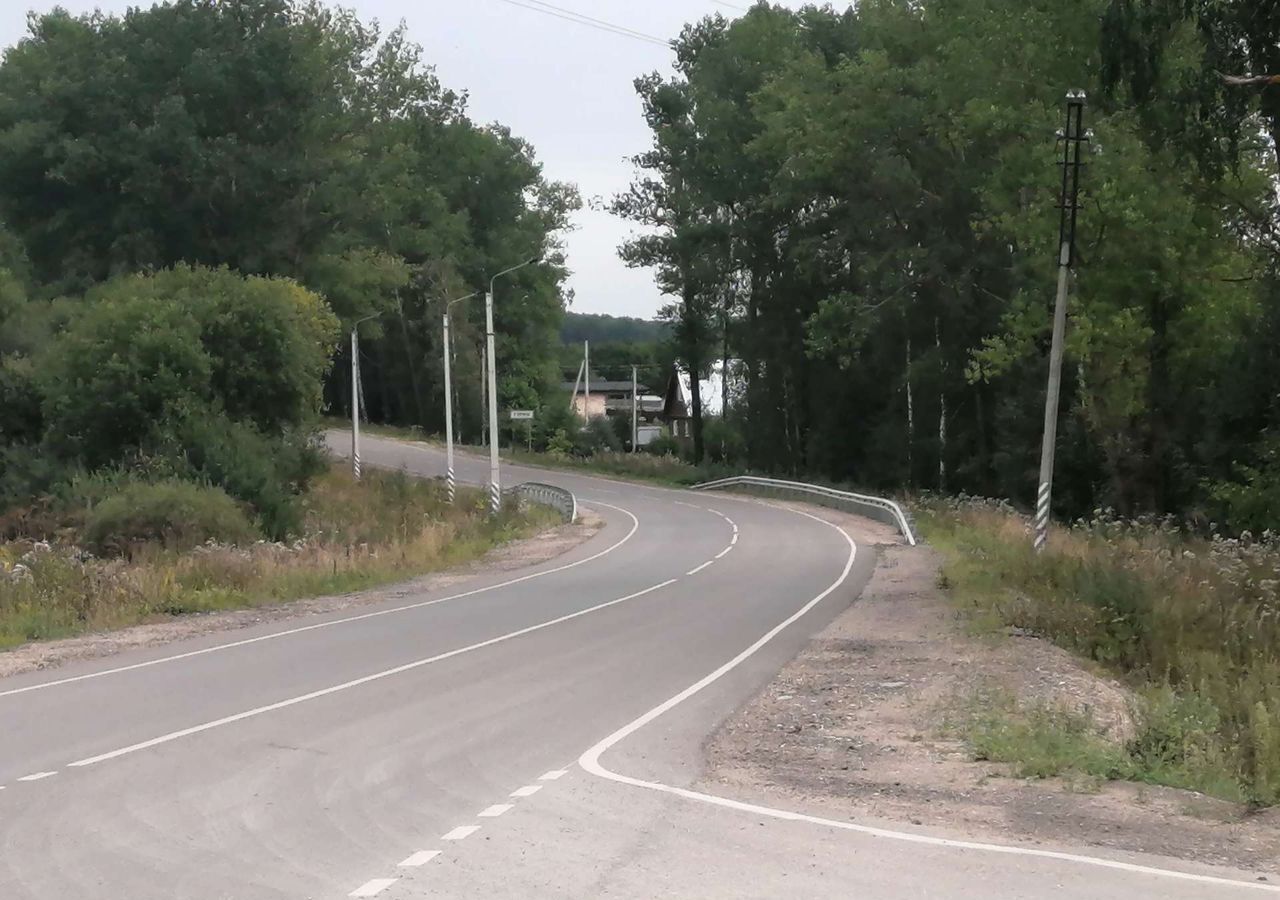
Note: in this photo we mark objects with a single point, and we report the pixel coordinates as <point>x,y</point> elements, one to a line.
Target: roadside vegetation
<point>1190,622</point>
<point>174,548</point>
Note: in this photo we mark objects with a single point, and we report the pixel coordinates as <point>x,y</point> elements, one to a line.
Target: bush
<point>1253,505</point>
<point>665,445</point>
<point>266,473</point>
<point>181,344</point>
<point>722,440</point>
<point>177,514</point>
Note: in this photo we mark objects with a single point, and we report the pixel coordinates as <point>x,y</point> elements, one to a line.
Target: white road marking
<point>421,858</point>
<point>357,682</point>
<point>373,887</point>
<point>527,791</point>
<point>635,525</point>
<point>590,761</point>
<point>724,551</point>
<point>733,540</point>
<point>37,776</point>
<point>700,568</point>
<point>461,832</point>
<point>554,774</point>
<point>496,810</point>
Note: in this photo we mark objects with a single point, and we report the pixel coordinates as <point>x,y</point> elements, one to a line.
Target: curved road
<point>531,734</point>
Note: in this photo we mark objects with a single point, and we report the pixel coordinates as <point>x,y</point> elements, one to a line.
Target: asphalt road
<point>538,737</point>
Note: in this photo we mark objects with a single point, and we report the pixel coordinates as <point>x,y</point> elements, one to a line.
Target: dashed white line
<point>724,551</point>
<point>733,540</point>
<point>461,832</point>
<point>496,810</point>
<point>700,568</point>
<point>421,858</point>
<point>373,887</point>
<point>527,791</point>
<point>367,679</point>
<point>37,776</point>
<point>553,775</point>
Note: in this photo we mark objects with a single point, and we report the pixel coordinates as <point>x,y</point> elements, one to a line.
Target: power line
<point>569,15</point>
<point>741,9</point>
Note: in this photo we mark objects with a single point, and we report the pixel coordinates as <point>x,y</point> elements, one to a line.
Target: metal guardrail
<point>557,498</point>
<point>877,508</point>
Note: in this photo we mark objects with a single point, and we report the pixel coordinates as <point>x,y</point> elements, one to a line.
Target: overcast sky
<point>565,87</point>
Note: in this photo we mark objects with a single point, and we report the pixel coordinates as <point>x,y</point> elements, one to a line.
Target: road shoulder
<point>855,727</point>
<point>516,555</point>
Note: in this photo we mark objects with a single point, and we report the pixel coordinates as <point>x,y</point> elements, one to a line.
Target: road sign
<point>520,415</point>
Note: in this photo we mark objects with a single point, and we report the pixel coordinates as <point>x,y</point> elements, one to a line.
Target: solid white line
<point>590,761</point>
<point>527,791</point>
<point>461,832</point>
<point>347,685</point>
<point>37,776</point>
<point>553,775</point>
<point>635,525</point>
<point>496,810</point>
<point>421,858</point>
<point>373,887</point>
<point>700,568</point>
<point>724,551</point>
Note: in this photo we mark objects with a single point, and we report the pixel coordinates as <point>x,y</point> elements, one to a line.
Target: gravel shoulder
<point>519,554</point>
<point>854,728</point>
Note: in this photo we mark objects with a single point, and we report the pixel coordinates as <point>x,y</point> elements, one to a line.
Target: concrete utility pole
<point>635,411</point>
<point>495,486</point>
<point>449,479</point>
<point>355,394</point>
<point>355,405</point>
<point>586,380</point>
<point>1073,138</point>
<point>449,488</point>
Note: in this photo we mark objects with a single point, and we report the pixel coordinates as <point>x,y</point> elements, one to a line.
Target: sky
<point>565,87</point>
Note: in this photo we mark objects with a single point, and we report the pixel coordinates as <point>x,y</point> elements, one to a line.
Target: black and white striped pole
<point>1072,138</point>
<point>495,486</point>
<point>355,404</point>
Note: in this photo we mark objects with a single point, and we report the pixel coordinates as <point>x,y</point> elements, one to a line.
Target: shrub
<point>177,514</point>
<point>665,445</point>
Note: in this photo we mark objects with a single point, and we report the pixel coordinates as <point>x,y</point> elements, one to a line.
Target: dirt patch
<point>519,554</point>
<point>853,726</point>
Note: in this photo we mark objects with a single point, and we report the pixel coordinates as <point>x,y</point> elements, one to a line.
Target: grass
<point>385,528</point>
<point>1191,624</point>
<point>646,467</point>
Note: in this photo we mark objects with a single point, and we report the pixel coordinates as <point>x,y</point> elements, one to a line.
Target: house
<point>613,398</point>
<point>714,390</point>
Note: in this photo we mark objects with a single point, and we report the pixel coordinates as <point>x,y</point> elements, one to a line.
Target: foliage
<point>1189,621</point>
<point>287,139</point>
<point>893,327</point>
<point>385,528</point>
<point>177,515</point>
<point>606,329</point>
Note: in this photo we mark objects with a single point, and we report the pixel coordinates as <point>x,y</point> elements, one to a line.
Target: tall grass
<point>1192,622</point>
<point>358,534</point>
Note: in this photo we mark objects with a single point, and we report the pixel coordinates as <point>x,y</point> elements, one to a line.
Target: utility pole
<point>448,416</point>
<point>586,380</point>
<point>495,487</point>
<point>1073,138</point>
<point>495,491</point>
<point>635,411</point>
<point>355,395</point>
<point>355,403</point>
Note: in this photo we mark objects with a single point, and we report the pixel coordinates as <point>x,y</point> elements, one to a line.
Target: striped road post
<point>1042,516</point>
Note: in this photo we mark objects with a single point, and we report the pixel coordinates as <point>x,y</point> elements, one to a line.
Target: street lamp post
<point>355,395</point>
<point>449,480</point>
<point>495,486</point>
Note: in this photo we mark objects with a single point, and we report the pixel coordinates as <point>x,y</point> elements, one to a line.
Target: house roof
<point>605,387</point>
